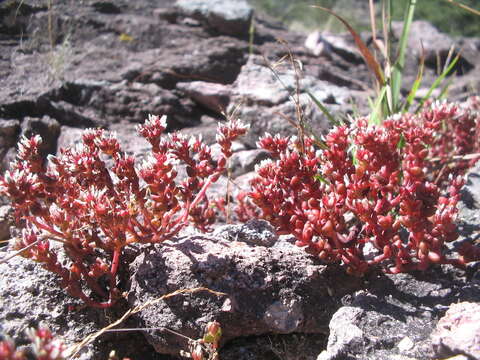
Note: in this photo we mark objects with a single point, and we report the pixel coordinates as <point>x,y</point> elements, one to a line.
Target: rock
<point>67,114</point>
<point>5,222</point>
<point>267,290</point>
<point>470,198</point>
<point>130,140</point>
<point>118,104</point>
<point>406,344</point>
<point>213,96</point>
<point>207,129</point>
<point>32,297</point>
<point>469,205</point>
<point>314,43</point>
<point>106,7</point>
<point>231,17</point>
<point>267,104</point>
<point>343,45</point>
<point>344,334</point>
<point>396,315</point>
<point>69,136</point>
<point>458,332</point>
<point>426,39</point>
<point>47,128</point>
<point>9,130</point>
<point>423,35</point>
<point>244,161</point>
<point>257,83</point>
<point>254,232</point>
<point>274,347</point>
<point>217,60</point>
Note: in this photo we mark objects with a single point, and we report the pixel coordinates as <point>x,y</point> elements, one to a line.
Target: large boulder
<point>264,289</point>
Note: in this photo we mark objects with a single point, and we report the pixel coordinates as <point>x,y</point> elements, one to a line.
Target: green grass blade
<point>438,81</point>
<point>443,93</point>
<point>416,84</point>
<point>398,68</point>
<point>251,36</point>
<point>324,110</point>
<point>320,178</point>
<point>376,116</point>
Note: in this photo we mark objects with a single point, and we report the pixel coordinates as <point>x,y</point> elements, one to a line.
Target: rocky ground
<point>78,64</point>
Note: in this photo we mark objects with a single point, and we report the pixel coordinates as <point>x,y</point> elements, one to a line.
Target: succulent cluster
<point>44,347</point>
<point>206,347</point>
<point>456,143</point>
<point>93,200</point>
<point>373,195</point>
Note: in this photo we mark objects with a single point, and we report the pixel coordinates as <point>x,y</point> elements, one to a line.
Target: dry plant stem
<point>18,252</point>
<point>90,338</point>
<point>299,124</point>
<point>465,7</point>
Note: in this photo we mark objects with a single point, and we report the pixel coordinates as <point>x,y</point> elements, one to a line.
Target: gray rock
<point>231,17</point>
<point>469,207</point>
<point>9,130</point>
<point>396,315</point>
<point>344,334</point>
<point>5,222</point>
<point>253,232</point>
<point>427,41</point>
<point>216,59</point>
<point>30,296</point>
<point>470,198</point>
<point>259,84</point>
<point>267,290</point>
<point>69,136</point>
<point>274,347</point>
<point>343,45</point>
<point>458,332</point>
<point>244,161</point>
<point>47,128</point>
<point>424,35</point>
<point>266,101</point>
<point>213,96</point>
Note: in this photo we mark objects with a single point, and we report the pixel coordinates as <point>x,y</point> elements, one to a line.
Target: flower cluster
<point>44,347</point>
<point>93,200</point>
<point>372,196</point>
<point>456,146</point>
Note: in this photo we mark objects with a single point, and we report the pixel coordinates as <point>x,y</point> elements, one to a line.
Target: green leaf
<point>401,142</point>
<point>376,115</point>
<point>396,79</point>
<point>438,81</point>
<point>416,84</point>
<point>324,110</point>
<point>320,178</point>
